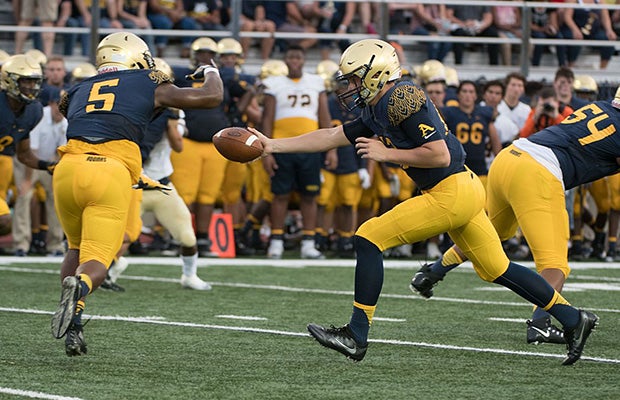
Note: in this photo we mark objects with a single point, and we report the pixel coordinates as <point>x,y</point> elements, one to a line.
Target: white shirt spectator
<point>48,135</point>
<point>518,114</point>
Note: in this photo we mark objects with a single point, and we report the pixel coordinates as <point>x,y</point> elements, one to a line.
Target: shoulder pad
<point>404,101</point>
<point>159,77</point>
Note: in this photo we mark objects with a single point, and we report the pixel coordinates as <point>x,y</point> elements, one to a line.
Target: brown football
<point>238,144</point>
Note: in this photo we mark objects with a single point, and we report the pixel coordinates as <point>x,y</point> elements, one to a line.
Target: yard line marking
<point>288,263</point>
<point>305,334</point>
<point>242,317</point>
<point>519,320</point>
<point>389,319</point>
<point>35,395</point>
<point>317,291</point>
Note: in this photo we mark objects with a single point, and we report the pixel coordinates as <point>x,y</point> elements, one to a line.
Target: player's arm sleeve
<point>355,129</point>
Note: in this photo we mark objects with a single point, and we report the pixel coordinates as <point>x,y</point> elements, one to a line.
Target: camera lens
<point>547,107</point>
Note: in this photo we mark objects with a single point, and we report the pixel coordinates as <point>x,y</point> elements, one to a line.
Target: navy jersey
<point>235,85</point>
<point>472,130</point>
<point>156,130</point>
<point>586,143</point>
<point>404,118</point>
<point>348,160</point>
<point>202,124</point>
<point>98,109</point>
<point>14,129</point>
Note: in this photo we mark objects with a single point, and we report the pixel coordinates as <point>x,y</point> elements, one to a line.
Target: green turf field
<point>247,338</point>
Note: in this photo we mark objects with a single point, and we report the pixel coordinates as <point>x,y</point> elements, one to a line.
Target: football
<point>238,144</point>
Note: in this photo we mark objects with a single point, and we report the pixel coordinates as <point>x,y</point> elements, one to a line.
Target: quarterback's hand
<point>146,183</point>
<point>371,148</point>
<point>265,141</point>
<point>365,180</point>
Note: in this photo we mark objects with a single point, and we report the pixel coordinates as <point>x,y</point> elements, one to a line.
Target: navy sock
<point>368,284</point>
<point>539,313</point>
<point>359,326</point>
<point>533,288</point>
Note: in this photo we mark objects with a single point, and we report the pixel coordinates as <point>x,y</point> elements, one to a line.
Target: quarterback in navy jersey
<point>413,135</point>
<point>108,115</point>
<point>20,112</point>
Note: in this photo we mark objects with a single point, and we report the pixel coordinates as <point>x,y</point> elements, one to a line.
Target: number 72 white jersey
<point>297,103</point>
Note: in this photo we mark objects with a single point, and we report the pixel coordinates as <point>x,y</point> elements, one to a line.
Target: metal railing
<point>233,30</point>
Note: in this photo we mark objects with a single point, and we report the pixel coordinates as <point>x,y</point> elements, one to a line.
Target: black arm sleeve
<point>355,129</point>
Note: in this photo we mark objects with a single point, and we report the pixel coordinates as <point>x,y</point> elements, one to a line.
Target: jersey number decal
<point>303,99</point>
<point>5,142</point>
<point>96,96</point>
<point>466,133</point>
<point>598,115</point>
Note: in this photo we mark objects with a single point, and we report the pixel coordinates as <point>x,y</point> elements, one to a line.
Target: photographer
<point>547,111</point>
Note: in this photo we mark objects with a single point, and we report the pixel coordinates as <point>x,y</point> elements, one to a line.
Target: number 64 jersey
<point>586,144</point>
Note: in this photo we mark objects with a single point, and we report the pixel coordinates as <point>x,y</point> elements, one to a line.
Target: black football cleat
<point>339,339</point>
<point>71,293</point>
<point>576,337</point>
<point>107,284</point>
<point>74,342</point>
<point>424,280</point>
<point>541,330</point>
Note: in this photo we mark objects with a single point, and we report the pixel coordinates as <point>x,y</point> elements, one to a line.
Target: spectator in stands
<point>473,21</point>
<point>511,105</point>
<point>207,14</point>
<point>563,85</point>
<point>253,19</point>
<point>545,24</point>
<point>288,18</point>
<point>583,23</point>
<point>132,14</point>
<point>45,12</point>
<point>368,11</point>
<point>425,19</point>
<point>169,14</point>
<point>76,13</point>
<point>333,17</point>
<point>547,110</point>
<point>507,19</point>
<point>492,94</point>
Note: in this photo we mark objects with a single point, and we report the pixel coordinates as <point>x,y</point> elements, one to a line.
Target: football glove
<point>146,183</point>
<point>364,178</point>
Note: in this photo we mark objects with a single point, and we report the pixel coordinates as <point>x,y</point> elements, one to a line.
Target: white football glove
<point>364,178</point>
<point>394,185</point>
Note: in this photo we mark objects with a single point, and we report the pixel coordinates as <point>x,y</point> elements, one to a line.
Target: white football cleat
<point>309,251</point>
<point>194,282</point>
<point>432,251</point>
<point>276,248</point>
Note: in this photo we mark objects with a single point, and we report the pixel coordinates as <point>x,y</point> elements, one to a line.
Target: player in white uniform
<point>293,105</point>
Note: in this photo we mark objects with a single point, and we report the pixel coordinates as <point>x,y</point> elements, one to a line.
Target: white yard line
<point>287,263</point>
<point>317,291</point>
<point>35,395</point>
<point>162,321</point>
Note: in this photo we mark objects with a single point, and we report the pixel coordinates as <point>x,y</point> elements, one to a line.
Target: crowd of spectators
<point>337,17</point>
